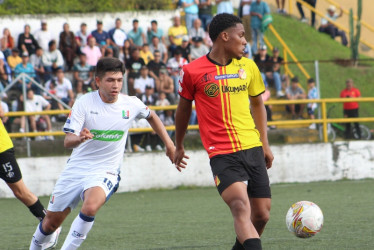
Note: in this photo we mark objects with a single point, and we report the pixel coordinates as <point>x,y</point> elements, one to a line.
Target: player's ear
<point>97,81</point>
<point>224,36</point>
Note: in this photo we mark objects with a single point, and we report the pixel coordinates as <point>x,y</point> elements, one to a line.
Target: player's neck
<point>219,56</point>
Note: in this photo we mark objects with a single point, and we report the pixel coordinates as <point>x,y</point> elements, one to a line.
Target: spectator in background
<point>205,12</point>
<point>6,42</point>
<point>174,66</point>
<point>196,30</point>
<point>277,61</point>
<point>224,6</point>
<point>154,31</point>
<point>331,29</point>
<point>83,75</point>
<point>146,54</point>
<point>14,59</point>
<point>143,81</point>
<point>125,53</point>
<point>26,41</point>
<point>185,47</point>
<point>68,46</point>
<point>295,92</point>
<point>266,97</point>
<point>148,97</point>
<point>258,9</point>
<point>81,36</point>
<point>198,49</point>
<point>5,119</point>
<point>136,35</point>
<point>26,67</point>
<point>117,37</point>
<point>262,60</point>
<point>191,11</point>
<point>280,6</point>
<point>154,67</point>
<point>133,66</point>
<point>92,52</point>
<point>64,88</point>
<point>350,109</point>
<point>5,70</point>
<point>175,33</point>
<point>36,61</point>
<point>311,107</point>
<point>160,47</point>
<point>166,85</point>
<point>52,60</point>
<point>43,36</point>
<point>312,14</point>
<point>245,15</point>
<point>101,36</point>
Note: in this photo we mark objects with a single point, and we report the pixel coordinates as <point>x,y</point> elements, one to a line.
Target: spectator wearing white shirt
<point>52,60</point>
<point>174,66</point>
<point>330,28</point>
<point>64,89</point>
<point>196,30</point>
<point>117,37</point>
<point>43,36</point>
<point>143,81</point>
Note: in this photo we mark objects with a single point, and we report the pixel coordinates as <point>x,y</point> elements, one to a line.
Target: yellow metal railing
<point>324,120</point>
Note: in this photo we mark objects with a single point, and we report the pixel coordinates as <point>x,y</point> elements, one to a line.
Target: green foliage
<point>198,219</point>
<point>355,38</point>
<point>10,7</point>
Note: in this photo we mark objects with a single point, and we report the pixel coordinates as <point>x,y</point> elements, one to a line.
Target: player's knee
<point>90,209</point>
<point>238,207</point>
<point>261,216</point>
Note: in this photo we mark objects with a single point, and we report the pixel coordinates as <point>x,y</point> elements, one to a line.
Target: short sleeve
<point>143,110</point>
<point>256,84</point>
<point>186,88</point>
<point>76,119</point>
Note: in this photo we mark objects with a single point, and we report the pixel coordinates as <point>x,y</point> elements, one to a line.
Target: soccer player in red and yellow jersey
<point>227,88</point>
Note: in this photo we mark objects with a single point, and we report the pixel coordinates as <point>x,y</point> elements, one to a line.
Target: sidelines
<point>293,163</point>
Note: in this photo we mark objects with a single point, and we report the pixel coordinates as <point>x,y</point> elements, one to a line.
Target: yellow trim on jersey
<point>5,141</point>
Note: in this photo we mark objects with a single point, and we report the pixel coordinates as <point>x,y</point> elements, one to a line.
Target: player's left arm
<point>72,140</point>
<point>258,112</point>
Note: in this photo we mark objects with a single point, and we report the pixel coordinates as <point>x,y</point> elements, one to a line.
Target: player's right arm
<point>73,140</point>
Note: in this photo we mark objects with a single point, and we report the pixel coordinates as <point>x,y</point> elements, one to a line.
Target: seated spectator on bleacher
<point>27,42</point>
<point>265,65</point>
<point>14,59</point>
<point>36,103</point>
<point>266,97</point>
<point>43,36</point>
<point>198,48</point>
<point>331,29</point>
<point>6,42</point>
<point>52,60</point>
<point>64,89</point>
<point>196,30</point>
<point>166,85</point>
<point>157,45</point>
<point>174,66</point>
<point>101,36</point>
<point>5,70</point>
<point>117,37</point>
<point>68,46</point>
<point>185,48</point>
<point>277,61</point>
<point>133,66</point>
<point>148,97</point>
<point>136,35</point>
<point>83,75</point>
<point>143,81</point>
<point>175,34</point>
<point>154,31</point>
<point>295,92</point>
<point>37,62</point>
<point>26,67</point>
<point>154,67</point>
<point>146,54</point>
<point>92,52</point>
<point>82,36</point>
<point>125,53</point>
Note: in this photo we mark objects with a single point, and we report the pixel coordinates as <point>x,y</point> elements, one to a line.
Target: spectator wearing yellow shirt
<point>146,54</point>
<point>14,59</point>
<point>175,33</point>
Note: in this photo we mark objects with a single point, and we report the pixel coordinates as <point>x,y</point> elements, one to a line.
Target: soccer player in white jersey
<point>97,128</point>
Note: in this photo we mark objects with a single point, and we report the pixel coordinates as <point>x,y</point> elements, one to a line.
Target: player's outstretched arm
<point>258,112</point>
<point>73,140</point>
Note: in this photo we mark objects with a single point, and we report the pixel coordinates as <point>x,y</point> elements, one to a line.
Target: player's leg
<point>260,213</point>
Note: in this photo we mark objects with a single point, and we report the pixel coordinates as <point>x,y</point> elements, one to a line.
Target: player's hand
<point>85,135</point>
<point>268,156</point>
<point>179,157</point>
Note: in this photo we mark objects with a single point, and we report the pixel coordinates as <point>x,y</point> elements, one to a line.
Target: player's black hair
<point>108,64</point>
<point>220,23</point>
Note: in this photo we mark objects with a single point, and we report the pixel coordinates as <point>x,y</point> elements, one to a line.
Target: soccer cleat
<point>54,239</point>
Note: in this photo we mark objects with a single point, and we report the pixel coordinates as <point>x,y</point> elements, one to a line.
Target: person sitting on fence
<point>295,92</point>
<point>311,107</point>
<point>331,29</point>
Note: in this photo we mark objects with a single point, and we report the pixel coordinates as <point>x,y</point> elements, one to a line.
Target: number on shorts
<point>108,183</point>
<point>7,167</point>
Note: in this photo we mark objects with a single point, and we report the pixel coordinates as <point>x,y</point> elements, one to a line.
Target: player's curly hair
<point>221,22</point>
<point>108,64</point>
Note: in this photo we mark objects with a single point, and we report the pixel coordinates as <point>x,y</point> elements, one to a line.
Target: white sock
<point>39,238</point>
<point>79,229</point>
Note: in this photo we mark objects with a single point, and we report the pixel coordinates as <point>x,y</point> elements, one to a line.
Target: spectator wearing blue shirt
<point>117,37</point>
<point>26,67</point>
<point>258,10</point>
<point>224,6</point>
<point>155,31</point>
<point>101,36</point>
<point>136,35</point>
<point>191,10</point>
<point>311,107</point>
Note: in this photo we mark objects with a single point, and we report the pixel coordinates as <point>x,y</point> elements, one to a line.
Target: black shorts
<point>246,165</point>
<point>9,169</point>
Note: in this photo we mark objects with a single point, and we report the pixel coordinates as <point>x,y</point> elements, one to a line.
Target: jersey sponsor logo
<point>94,112</point>
<point>226,76</point>
<point>125,114</point>
<point>211,89</point>
<point>242,74</point>
<point>107,135</point>
<point>234,90</point>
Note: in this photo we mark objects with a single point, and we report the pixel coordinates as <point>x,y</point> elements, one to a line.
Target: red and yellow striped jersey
<point>221,95</point>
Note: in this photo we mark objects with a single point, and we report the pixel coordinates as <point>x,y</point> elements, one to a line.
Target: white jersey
<point>36,104</point>
<point>109,123</point>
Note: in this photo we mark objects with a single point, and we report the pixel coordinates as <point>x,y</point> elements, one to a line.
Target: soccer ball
<point>304,219</point>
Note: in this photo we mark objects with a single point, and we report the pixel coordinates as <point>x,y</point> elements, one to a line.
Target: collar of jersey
<point>212,61</point>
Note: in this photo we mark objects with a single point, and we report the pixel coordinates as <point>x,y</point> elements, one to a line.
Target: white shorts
<point>69,191</point>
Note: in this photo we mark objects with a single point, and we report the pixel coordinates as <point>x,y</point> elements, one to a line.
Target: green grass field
<point>196,218</point>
